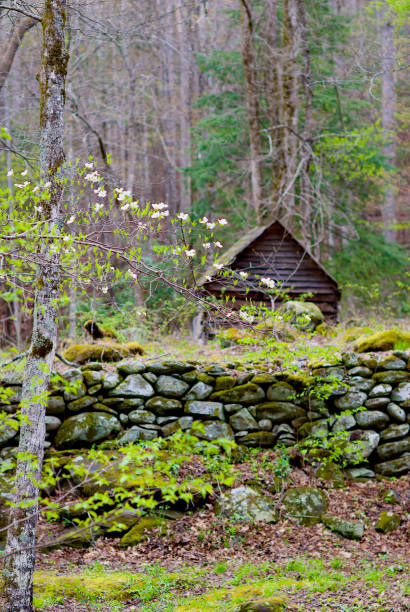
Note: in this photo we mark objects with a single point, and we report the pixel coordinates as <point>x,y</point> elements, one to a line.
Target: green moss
<point>388,521</point>
<point>104,351</point>
<point>383,341</point>
<point>141,530</point>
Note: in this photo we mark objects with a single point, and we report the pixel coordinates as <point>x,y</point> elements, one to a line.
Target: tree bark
<point>388,108</point>
<point>252,102</point>
<point>9,49</point>
<point>21,536</point>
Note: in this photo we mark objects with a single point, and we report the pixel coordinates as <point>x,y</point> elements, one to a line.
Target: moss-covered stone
<point>92,377</point>
<point>133,386</point>
<point>130,366</point>
<point>395,467</point>
<point>171,386</point>
<point>104,351</point>
<point>372,419</point>
<point>387,522</point>
<point>259,439</point>
<point>266,604</point>
<point>382,341</point>
<point>305,315</point>
<point>395,432</point>
<point>279,412</point>
<point>199,391</point>
<point>351,400</point>
<point>224,382</point>
<point>391,376</point>
<point>205,378</point>
<point>391,449</point>
<point>246,504</point>
<point>348,529</point>
<point>81,404</point>
<point>205,410</point>
<point>264,378</point>
<point>391,363</point>
<point>402,393</point>
<point>169,367</point>
<point>141,416</point>
<point>396,412</point>
<point>281,392</point>
<point>55,405</point>
<point>85,429</point>
<point>390,496</point>
<point>331,473</point>
<point>248,393</point>
<point>163,406</point>
<point>141,530</point>
<point>212,430</point>
<point>305,504</point>
<point>243,420</point>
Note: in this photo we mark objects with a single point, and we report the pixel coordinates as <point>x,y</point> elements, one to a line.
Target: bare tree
<point>388,104</point>
<point>21,537</point>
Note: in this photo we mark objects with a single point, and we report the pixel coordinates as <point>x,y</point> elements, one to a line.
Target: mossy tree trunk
<point>21,536</point>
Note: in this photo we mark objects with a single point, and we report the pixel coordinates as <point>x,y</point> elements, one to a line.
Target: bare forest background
<point>288,109</point>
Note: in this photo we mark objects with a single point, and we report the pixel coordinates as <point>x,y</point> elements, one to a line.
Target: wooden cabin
<point>272,251</point>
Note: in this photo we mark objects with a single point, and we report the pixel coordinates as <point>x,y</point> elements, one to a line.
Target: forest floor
<point>208,563</point>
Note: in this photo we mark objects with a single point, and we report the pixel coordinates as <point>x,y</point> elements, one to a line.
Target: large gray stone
<point>381,390</point>
<point>141,416</point>
<point>305,504</point>
<point>279,412</point>
<point>392,363</point>
<point>163,406</point>
<point>200,391</point>
<point>347,529</point>
<point>395,467</point>
<point>110,380</point>
<point>402,393</point>
<point>281,392</point>
<point>52,423</point>
<point>391,376</point>
<point>81,404</point>
<point>130,366</point>
<point>243,420</point>
<point>92,377</point>
<point>377,403</point>
<point>213,430</point>
<point>395,432</point>
<point>259,439</point>
<point>169,367</point>
<point>244,394</point>
<point>391,449</point>
<point>86,429</point>
<point>372,419</point>
<point>7,433</point>
<point>171,386</point>
<point>344,422</point>
<point>55,405</point>
<point>351,400</point>
<point>206,410</point>
<point>364,442</point>
<point>357,383</point>
<point>133,386</point>
<point>360,371</point>
<point>246,504</point>
<point>396,413</point>
<point>136,433</point>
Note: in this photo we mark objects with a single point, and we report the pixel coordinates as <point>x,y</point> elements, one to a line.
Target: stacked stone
<point>143,401</point>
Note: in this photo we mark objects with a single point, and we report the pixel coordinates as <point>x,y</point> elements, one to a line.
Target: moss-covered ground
<point>301,584</point>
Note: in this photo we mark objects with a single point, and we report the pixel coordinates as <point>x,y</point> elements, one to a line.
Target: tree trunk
<point>9,49</point>
<point>388,108</point>
<point>21,536</point>
<point>252,102</point>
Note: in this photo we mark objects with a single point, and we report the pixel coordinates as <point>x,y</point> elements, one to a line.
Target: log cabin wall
<point>279,256</point>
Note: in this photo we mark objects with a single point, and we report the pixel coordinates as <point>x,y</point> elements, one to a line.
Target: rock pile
<point>365,394</point>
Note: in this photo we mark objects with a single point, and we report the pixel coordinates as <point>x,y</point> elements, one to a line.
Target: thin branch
<point>19,10</point>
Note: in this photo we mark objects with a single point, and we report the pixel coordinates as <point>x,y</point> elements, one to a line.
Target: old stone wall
<point>367,395</point>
